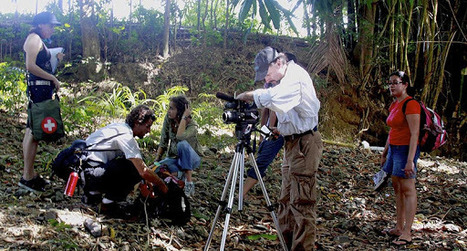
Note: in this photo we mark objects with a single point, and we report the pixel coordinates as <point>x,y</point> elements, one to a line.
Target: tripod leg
<point>240,181</point>
<point>268,202</point>
<point>231,198</point>
<point>222,203</point>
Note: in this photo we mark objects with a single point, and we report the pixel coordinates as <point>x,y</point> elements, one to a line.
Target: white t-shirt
<point>117,138</point>
<point>294,100</point>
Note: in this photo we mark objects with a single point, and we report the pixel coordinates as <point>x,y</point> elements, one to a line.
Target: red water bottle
<point>71,184</point>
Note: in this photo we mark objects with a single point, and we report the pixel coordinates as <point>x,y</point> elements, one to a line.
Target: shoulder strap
<point>103,140</point>
<point>404,106</point>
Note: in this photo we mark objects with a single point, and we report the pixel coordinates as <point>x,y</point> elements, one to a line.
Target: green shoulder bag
<point>45,120</point>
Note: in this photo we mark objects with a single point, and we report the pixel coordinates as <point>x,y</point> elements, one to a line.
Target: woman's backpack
<point>432,132</point>
<point>174,205</point>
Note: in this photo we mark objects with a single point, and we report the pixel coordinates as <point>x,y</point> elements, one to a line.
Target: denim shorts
<point>397,159</point>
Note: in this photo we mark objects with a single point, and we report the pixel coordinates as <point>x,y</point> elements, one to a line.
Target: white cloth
<point>293,99</point>
<point>123,144</point>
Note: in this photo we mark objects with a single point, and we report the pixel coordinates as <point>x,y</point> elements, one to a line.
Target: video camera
<point>243,115</point>
<point>237,111</point>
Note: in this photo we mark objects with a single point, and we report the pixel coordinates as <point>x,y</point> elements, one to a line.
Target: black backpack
<point>174,205</point>
<point>69,159</point>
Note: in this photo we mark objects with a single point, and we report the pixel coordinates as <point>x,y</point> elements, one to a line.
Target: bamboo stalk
<point>444,58</point>
<point>420,38</point>
<point>407,37</point>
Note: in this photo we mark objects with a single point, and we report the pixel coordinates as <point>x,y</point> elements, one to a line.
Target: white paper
<point>265,130</point>
<point>53,57</point>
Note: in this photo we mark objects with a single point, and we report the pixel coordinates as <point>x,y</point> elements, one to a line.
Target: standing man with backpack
<point>400,155</point>
<point>114,164</point>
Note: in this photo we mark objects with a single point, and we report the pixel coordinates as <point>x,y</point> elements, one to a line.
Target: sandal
<point>401,242</point>
<point>390,232</point>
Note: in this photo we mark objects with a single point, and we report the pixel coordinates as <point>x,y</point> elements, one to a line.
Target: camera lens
<point>230,117</point>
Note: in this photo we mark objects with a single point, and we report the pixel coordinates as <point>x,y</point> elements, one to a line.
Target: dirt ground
<point>351,215</point>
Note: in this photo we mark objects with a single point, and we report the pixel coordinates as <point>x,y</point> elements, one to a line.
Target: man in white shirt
<point>296,105</point>
<point>114,163</point>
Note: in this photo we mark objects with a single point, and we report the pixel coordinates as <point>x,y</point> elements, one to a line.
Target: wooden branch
<point>330,142</point>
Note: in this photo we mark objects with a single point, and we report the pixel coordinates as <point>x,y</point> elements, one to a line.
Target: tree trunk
<point>90,41</point>
<point>420,44</point>
<point>215,15</point>
<point>226,28</point>
<point>352,30</point>
<point>89,33</point>
<point>429,57</point>
<point>307,19</point>
<point>60,5</point>
<point>366,34</point>
<point>199,15</point>
<point>69,36</point>
<point>203,23</point>
<point>205,15</point>
<point>165,38</point>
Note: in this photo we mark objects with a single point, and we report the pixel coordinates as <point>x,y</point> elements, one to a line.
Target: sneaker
<point>189,189</point>
<point>380,179</point>
<point>36,184</point>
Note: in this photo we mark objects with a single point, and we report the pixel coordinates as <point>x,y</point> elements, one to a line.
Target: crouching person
<point>114,164</point>
<point>179,139</point>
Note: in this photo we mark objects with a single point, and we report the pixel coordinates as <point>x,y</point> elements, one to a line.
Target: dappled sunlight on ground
<point>73,218</point>
<point>448,168</point>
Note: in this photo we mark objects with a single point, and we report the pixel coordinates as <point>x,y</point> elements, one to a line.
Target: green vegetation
<point>12,88</point>
<point>85,108</point>
<point>351,45</point>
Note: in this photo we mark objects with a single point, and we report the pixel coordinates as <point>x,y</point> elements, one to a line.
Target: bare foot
<point>401,241</point>
<point>392,232</point>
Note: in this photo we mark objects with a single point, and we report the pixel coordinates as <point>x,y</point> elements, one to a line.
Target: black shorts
<point>115,179</point>
<point>40,90</point>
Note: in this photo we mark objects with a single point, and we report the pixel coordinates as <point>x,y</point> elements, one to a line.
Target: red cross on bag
<point>49,125</point>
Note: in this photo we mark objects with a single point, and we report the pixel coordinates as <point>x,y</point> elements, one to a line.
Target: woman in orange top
<point>400,155</point>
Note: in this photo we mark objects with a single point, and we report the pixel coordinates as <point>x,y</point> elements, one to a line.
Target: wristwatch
<point>184,117</point>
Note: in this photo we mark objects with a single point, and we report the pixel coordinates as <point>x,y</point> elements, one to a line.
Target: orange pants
<point>297,208</point>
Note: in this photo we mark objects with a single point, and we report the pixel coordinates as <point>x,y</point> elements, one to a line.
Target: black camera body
<point>238,112</point>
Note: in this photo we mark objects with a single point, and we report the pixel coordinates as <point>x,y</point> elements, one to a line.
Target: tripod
<point>236,171</point>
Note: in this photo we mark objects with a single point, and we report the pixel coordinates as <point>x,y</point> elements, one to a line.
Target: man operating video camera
<point>296,105</point>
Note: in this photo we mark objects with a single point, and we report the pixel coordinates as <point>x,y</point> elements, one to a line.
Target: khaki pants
<point>297,208</point>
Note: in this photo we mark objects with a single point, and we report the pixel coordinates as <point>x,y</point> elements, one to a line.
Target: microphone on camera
<point>225,97</point>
